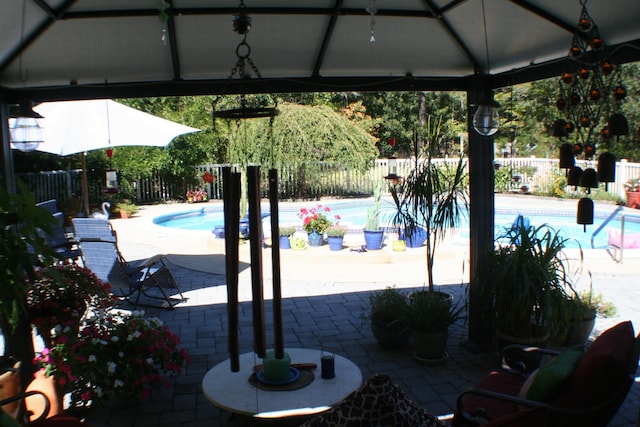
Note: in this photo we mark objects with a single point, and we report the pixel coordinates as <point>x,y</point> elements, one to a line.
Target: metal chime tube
<point>231,199</point>
<point>255,240</point>
<point>275,265</point>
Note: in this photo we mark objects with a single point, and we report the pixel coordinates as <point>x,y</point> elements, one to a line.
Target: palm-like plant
<point>432,197</point>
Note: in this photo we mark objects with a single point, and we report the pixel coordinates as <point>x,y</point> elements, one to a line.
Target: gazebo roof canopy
<point>71,49</point>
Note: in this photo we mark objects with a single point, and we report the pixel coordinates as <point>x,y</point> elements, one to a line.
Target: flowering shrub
<point>60,295</point>
<point>115,354</point>
<point>197,196</point>
<point>632,186</point>
<point>315,219</point>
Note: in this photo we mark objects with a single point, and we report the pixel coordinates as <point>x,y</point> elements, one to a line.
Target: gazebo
<point>53,50</point>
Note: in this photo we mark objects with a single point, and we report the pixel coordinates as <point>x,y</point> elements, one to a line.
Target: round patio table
<point>233,392</point>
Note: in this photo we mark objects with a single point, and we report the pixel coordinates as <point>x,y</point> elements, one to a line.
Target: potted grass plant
<point>373,232</point>
<point>335,235</point>
<point>524,283</point>
<point>285,233</point>
<point>387,314</point>
<point>429,315</point>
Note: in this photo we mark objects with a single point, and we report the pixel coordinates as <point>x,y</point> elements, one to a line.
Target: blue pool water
<point>353,214</point>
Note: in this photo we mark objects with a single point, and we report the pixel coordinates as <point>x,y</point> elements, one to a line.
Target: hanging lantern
<point>583,73</point>
<point>577,149</point>
<point>575,99</point>
<point>573,177</point>
<point>567,78</point>
<point>109,152</point>
<point>585,212</point>
<point>589,179</point>
<point>567,160</point>
<point>595,95</point>
<point>604,133</point>
<point>561,104</point>
<point>486,119</point>
<point>606,169</point>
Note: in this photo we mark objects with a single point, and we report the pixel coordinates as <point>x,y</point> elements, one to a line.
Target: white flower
<point>115,339</point>
<point>130,337</point>
<point>118,383</point>
<point>92,358</point>
<point>111,367</point>
<point>149,360</point>
<point>98,391</point>
<point>120,354</point>
<point>137,334</point>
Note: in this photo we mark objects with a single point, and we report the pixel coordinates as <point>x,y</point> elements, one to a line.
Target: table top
<point>233,392</point>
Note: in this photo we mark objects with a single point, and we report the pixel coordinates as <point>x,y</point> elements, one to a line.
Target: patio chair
<point>571,389</point>
<point>63,245</point>
<point>132,279</point>
<point>40,417</point>
<point>93,228</point>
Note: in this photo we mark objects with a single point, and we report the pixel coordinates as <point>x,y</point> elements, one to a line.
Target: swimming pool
<point>353,214</point>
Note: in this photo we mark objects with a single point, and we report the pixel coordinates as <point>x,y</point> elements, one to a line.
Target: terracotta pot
<point>633,199</point>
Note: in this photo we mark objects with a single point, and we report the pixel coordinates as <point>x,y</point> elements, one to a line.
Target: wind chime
<point>592,89</point>
<point>231,187</point>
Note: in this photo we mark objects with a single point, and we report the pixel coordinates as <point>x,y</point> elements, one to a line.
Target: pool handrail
<point>604,224</point>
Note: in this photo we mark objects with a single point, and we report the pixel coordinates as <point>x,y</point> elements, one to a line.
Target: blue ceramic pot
<point>315,239</point>
<point>285,243</point>
<point>335,242</point>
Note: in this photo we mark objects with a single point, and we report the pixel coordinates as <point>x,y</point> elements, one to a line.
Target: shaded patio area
<point>327,313</point>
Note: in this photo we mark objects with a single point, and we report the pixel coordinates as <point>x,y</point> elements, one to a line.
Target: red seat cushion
<point>501,382</point>
<point>602,370</point>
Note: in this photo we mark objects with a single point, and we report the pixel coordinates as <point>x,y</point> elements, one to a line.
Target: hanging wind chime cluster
<point>588,94</point>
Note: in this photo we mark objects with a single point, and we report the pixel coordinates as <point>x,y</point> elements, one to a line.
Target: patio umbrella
<point>73,127</point>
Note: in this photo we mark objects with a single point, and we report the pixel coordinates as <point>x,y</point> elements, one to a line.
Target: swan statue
<point>105,211</point>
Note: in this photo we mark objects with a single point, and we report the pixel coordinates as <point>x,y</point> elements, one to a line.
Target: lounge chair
<point>149,277</point>
<point>62,243</point>
<point>572,389</point>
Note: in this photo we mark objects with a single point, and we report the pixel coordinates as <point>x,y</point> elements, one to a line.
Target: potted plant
<point>373,233</point>
<point>524,282</point>
<point>59,295</point>
<point>126,209</point>
<point>436,196</point>
<point>632,191</point>
<point>285,232</point>
<point>19,242</point>
<point>387,314</point>
<point>335,235</point>
<point>117,355</point>
<point>582,308</point>
<point>429,315</point>
<point>401,219</point>
<point>315,223</point>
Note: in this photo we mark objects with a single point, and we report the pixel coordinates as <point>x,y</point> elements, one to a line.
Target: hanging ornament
<point>606,169</point>
<point>567,159</point>
<point>573,178</point>
<point>585,212</point>
<point>589,151</point>
<point>589,179</point>
<point>577,149</point>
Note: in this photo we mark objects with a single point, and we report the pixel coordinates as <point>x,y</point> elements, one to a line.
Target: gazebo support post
<point>481,218</point>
